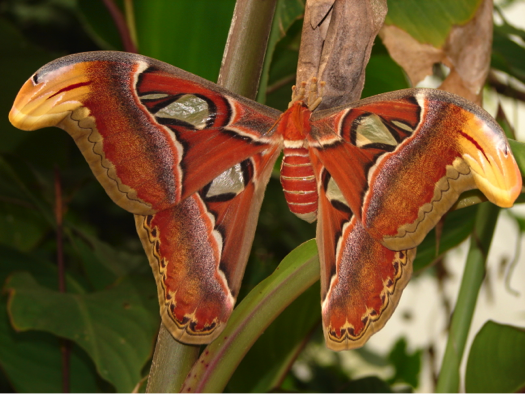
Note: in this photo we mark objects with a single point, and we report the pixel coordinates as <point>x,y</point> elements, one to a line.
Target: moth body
<point>297,174</point>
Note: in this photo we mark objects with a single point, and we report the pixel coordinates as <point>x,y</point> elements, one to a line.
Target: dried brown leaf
<point>466,52</point>
<point>319,10</point>
<point>414,57</point>
<point>341,58</point>
<point>310,49</point>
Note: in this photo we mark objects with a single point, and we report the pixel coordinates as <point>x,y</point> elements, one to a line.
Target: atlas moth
<point>191,161</point>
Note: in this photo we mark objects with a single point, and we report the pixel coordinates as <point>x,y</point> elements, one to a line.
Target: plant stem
<point>486,217</point>
<point>122,27</point>
<point>59,237</point>
<point>171,363</point>
<point>65,345</point>
<point>130,23</point>
<point>243,57</point>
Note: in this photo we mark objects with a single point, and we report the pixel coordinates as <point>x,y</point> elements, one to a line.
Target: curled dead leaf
<point>340,56</point>
<point>466,52</point>
<point>413,56</point>
<point>320,14</point>
<point>468,49</point>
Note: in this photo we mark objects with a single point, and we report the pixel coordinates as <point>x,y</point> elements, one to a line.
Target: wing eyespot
<point>230,183</point>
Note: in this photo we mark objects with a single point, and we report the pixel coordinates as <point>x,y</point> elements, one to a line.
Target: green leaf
<point>518,150</point>
<point>270,358</point>
<point>507,55</point>
<point>98,275</point>
<point>286,13</point>
<point>24,60</point>
<point>297,272</point>
<point>37,354</point>
<point>370,384</point>
<point>102,262</point>
<point>32,361</point>
<point>13,261</point>
<point>457,227</point>
<point>496,360</point>
<point>15,188</point>
<point>116,327</point>
<point>21,227</point>
<point>281,75</point>
<point>188,34</point>
<point>430,22</point>
<point>99,24</point>
<point>407,365</point>
<point>383,75</point>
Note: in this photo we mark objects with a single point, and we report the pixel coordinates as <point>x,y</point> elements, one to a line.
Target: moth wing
<point>402,159</point>
<point>152,134</point>
<point>198,249</point>
<point>361,280</point>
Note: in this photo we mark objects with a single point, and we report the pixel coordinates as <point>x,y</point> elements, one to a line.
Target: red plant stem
<point>122,27</point>
<point>65,350</point>
<point>65,345</point>
<point>58,219</point>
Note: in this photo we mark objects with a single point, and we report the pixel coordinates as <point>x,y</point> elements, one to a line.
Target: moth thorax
<point>299,184</point>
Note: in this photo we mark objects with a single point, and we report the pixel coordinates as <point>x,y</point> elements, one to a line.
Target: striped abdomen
<point>299,185</point>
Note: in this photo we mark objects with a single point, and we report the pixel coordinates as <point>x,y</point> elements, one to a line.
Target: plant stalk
<point>245,49</point>
<point>65,345</point>
<point>122,26</point>
<point>481,238</point>
<point>130,23</point>
<point>171,363</point>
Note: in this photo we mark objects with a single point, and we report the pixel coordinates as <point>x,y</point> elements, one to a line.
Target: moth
<point>191,161</point>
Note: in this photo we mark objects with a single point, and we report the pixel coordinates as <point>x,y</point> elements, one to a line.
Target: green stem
<point>246,46</point>
<point>473,275</point>
<point>171,363</point>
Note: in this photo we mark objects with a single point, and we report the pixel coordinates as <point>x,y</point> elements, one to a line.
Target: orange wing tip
<point>348,337</point>
<point>193,320</point>
<point>198,327</point>
<point>355,333</point>
<point>41,104</point>
<point>493,166</point>
<point>189,330</point>
<point>345,338</point>
<point>499,180</point>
